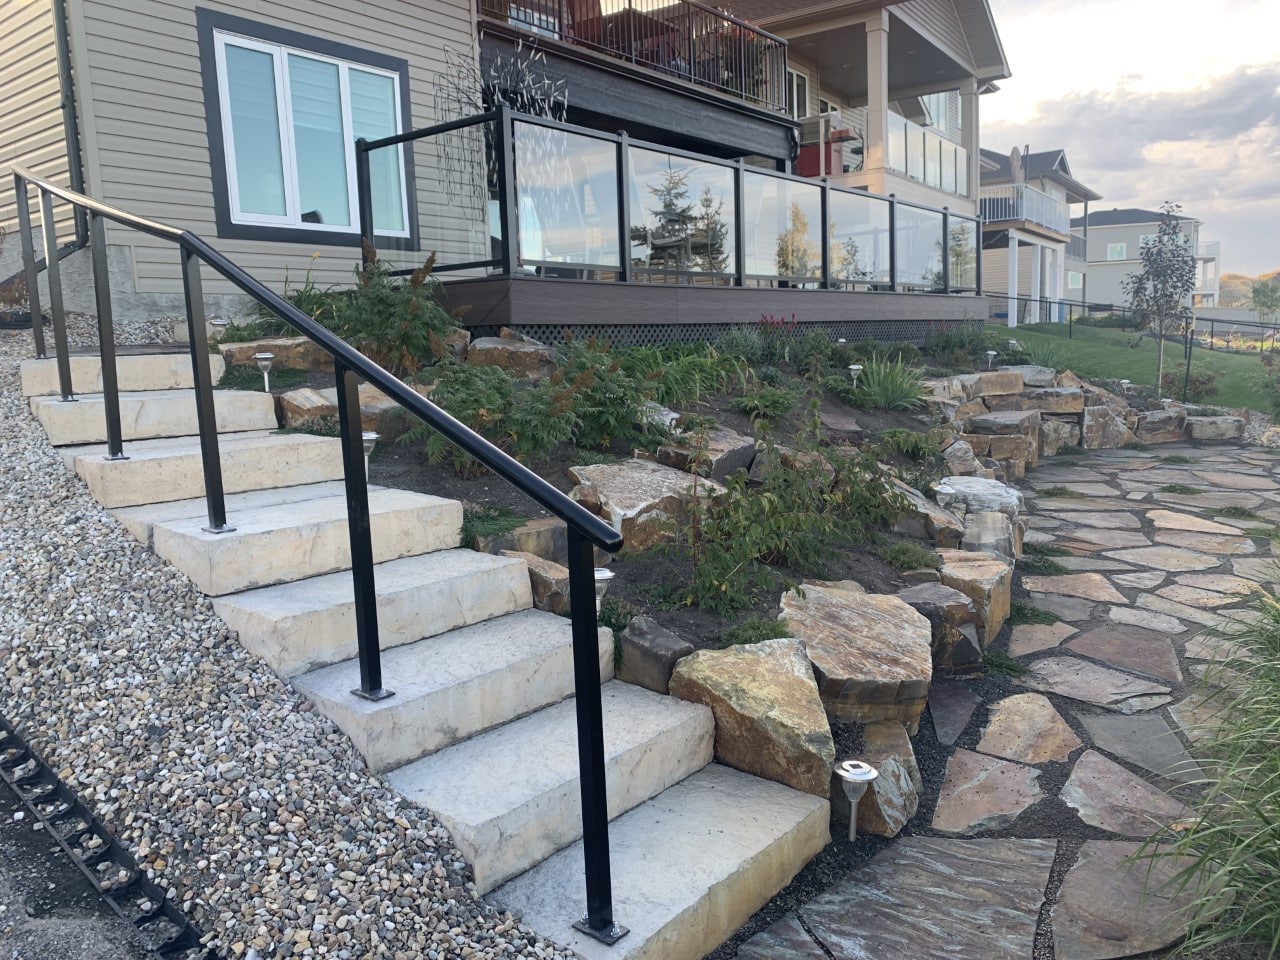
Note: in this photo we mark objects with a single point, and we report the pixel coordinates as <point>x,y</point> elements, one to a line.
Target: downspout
<point>70,124</point>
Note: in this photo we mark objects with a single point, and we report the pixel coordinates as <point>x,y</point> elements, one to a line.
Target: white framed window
<point>1075,279</point>
<point>1117,251</point>
<point>797,94</point>
<point>939,116</point>
<point>290,119</point>
<point>1147,238</point>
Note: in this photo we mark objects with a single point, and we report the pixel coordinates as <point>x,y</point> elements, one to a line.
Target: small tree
<point>1266,299</point>
<point>1160,293</point>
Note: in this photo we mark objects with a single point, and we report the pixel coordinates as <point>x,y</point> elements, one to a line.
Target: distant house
<point>1114,239</point>
<point>1027,247</point>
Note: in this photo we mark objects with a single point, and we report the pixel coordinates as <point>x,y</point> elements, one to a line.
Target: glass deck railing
<point>921,154</point>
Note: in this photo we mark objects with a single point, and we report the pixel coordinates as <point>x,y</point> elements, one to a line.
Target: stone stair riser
<point>164,371</point>
<point>149,416</point>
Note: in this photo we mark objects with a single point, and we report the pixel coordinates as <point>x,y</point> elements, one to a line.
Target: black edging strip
<point>165,929</point>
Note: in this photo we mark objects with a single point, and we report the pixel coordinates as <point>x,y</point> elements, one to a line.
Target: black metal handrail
<point>584,529</point>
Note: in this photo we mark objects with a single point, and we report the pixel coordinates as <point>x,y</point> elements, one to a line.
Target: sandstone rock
<point>984,579</point>
<point>1005,404</point>
<point>871,653</point>
<point>1162,426</point>
<point>1089,683</point>
<point>925,520</point>
<point>1056,434</point>
<point>291,353</point>
<point>990,532</point>
<point>1215,429</point>
<point>960,459</point>
<point>979,495</point>
<point>1032,375</point>
<point>649,653</point>
<point>766,457</point>
<point>1101,429</point>
<point>969,409</point>
<point>983,793</point>
<point>1086,586</point>
<point>990,383</point>
<point>456,342</point>
<point>522,358</point>
<point>550,581</point>
<point>953,627</point>
<point>951,705</point>
<point>840,426</point>
<point>941,409</point>
<point>720,454</point>
<point>1027,728</point>
<point>640,499</point>
<point>1025,422</point>
<point>654,412</point>
<point>1056,399</point>
<point>769,719</point>
<point>1109,797</point>
<point>948,388</point>
<point>305,405</point>
<point>980,445</point>
<point>544,537</point>
<point>1068,379</point>
<point>894,796</point>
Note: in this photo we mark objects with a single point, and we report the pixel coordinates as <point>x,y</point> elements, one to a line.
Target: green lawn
<point>1096,353</point>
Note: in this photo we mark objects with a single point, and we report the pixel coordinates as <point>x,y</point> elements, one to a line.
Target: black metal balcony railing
<point>681,38</point>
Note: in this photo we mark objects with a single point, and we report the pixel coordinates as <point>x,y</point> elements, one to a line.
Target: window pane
<point>373,115</point>
<point>783,227</point>
<point>681,215</point>
<point>918,240</point>
<point>316,98</point>
<point>255,129</point>
<point>859,239</point>
<point>963,251</point>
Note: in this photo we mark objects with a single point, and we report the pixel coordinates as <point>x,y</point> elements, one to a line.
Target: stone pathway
<point>1029,849</point>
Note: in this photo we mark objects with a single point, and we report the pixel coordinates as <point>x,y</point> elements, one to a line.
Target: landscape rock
<point>990,383</point>
<point>980,445</point>
<point>1032,374</point>
<point>1109,797</point>
<point>290,353</point>
<point>1087,586</point>
<point>641,500</point>
<point>1028,638</point>
<point>550,581</point>
<point>990,532</point>
<point>894,796</point>
<point>840,426</point>
<point>953,624</point>
<point>1089,683</point>
<point>1056,400</point>
<point>960,459</point>
<point>871,653</point>
<point>983,793</point>
<point>1215,429</point>
<point>1144,739</point>
<point>1016,447</point>
<point>544,537</point>
<point>1010,402</point>
<point>769,719</point>
<point>925,520</point>
<point>1130,648</point>
<point>305,405</point>
<point>1162,426</point>
<point>1025,422</point>
<point>1026,728</point>
<point>723,452</point>
<point>650,653</point>
<point>984,579</point>
<point>522,358</point>
<point>767,456</point>
<point>978,495</point>
<point>1102,429</point>
<point>950,707</point>
<point>1057,433</point>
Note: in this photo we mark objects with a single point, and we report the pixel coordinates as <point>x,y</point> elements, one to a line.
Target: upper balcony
<point>922,155</point>
<point>1076,248</point>
<point>1021,203</point>
<point>683,39</point>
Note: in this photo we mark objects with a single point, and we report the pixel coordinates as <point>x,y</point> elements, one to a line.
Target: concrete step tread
<point>161,447</point>
<point>155,370</point>
<point>453,686</point>
<point>689,867</point>
<point>510,796</point>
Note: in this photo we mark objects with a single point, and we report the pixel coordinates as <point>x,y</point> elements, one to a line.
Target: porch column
<point>969,131</point>
<point>1037,291</point>
<point>875,147</point>
<point>1013,279</point>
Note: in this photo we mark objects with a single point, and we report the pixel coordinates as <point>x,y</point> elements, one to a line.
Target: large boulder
<point>519,356</point>
<point>720,454</point>
<point>1215,429</point>
<point>768,458</point>
<point>1162,426</point>
<point>925,520</point>
<point>979,495</point>
<point>990,383</point>
<point>871,653</point>
<point>1032,375</point>
<point>990,532</point>
<point>1058,432</point>
<point>960,458</point>
<point>650,653</point>
<point>1025,422</point>
<point>549,580</point>
<point>953,624</point>
<point>984,579</point>
<point>290,353</point>
<point>769,718</point>
<point>1102,429</point>
<point>1056,399</point>
<point>545,537</point>
<point>303,406</point>
<point>643,501</point>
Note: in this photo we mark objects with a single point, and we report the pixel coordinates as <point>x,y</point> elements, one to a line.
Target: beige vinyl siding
<point>995,271</point>
<point>940,23</point>
<point>31,128</point>
<point>150,151</point>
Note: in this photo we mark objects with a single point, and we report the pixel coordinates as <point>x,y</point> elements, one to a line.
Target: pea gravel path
<point>251,809</point>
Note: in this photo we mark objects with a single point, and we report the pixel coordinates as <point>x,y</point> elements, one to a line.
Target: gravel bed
<point>252,810</point>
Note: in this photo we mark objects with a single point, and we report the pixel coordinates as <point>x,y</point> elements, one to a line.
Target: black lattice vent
<point>653,334</point>
<point>164,928</point>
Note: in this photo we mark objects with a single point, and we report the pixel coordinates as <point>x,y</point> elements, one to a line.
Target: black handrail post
<point>624,206</point>
<point>893,243</point>
<point>598,922</point>
<point>506,188</point>
<point>1212,328</point>
<point>977,272</point>
<point>23,203</point>
<point>364,199</point>
<point>739,224</point>
<point>106,336</point>
<point>357,487</point>
<point>825,219</point>
<point>54,272</point>
<point>946,250</point>
<point>206,418</point>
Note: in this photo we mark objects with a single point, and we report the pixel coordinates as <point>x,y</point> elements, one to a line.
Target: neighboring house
<point>1027,247</point>
<point>237,121</point>
<point>1115,237</point>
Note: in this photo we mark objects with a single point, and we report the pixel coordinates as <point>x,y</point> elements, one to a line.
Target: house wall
<point>1106,277</point>
<point>31,125</point>
<point>146,133</point>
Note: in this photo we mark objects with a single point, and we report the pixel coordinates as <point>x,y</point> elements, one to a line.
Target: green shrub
<point>1045,550</point>
<point>1201,385</point>
<point>891,385</point>
<point>675,376</point>
<point>607,401</point>
<point>770,376</point>
<point>744,343</point>
<point>1047,355</point>
<point>813,354</point>
<point>908,555</point>
<point>1001,664</point>
<point>1237,513</point>
<point>755,630</point>
<point>478,396</point>
<point>1177,458</point>
<point>486,521</point>
<point>262,327</point>
<point>766,403</point>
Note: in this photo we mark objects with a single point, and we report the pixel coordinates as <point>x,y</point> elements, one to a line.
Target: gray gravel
<point>253,811</point>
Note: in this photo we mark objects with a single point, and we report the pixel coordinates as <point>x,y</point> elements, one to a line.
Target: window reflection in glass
<point>918,241</point>
<point>962,249</point>
<point>783,227</point>
<point>682,218</point>
<point>859,239</point>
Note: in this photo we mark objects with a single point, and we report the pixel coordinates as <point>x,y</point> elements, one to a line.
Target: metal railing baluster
<point>54,271</point>
<point>106,337</point>
<point>23,203</point>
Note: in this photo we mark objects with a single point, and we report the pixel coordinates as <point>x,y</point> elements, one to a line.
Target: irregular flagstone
<point>1219,583</point>
<point>1073,609</point>
<point>1109,519</point>
<point>1144,739</point>
<point>1169,520</point>
<point>984,579</point>
<point>871,652</point>
<point>1065,505</point>
<point>1199,717</point>
<point>1207,542</point>
<point>1142,581</point>
<point>1209,647</point>
<point>950,707</point>
<point>1087,586</point>
<point>1027,728</point>
<point>1195,597</point>
<point>1118,902</point>
<point>1148,619</point>
<point>1166,558</point>
<point>1210,501</point>
<point>1107,796</point>
<point>1130,648</point>
<point>1257,569</point>
<point>1098,538</point>
<point>1089,683</point>
<point>983,793</point>
<point>1028,638</point>
<point>1150,601</point>
<point>1236,481</point>
<point>924,897</point>
<point>1092,565</point>
<point>769,718</point>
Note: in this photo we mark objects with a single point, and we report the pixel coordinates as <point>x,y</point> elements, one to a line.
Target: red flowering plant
<point>776,337</point>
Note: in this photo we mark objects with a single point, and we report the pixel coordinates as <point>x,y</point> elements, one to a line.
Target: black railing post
<point>54,272</point>
<point>1212,328</point>
<point>364,198</point>
<point>598,922</point>
<point>206,418</point>
<point>106,336</point>
<point>27,242</point>
<point>739,224</point>
<point>624,206</point>
<point>825,219</point>
<point>357,487</point>
<point>507,201</point>
<point>946,250</point>
<point>893,243</point>
<point>977,272</point>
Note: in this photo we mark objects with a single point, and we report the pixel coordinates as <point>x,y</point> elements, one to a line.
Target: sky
<point>1153,100</point>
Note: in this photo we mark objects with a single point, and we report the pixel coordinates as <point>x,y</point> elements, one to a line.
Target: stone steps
<point>689,867</point>
<point>152,371</point>
<point>511,797</point>
<point>296,627</point>
<point>170,469</point>
<point>453,686</point>
<point>151,414</point>
<point>295,541</point>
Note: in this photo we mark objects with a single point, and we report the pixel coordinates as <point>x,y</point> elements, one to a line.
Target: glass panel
<point>932,159</point>
<point>915,150</point>
<point>373,115</point>
<point>682,215</point>
<point>255,130</point>
<point>783,227</point>
<point>567,194</point>
<point>859,239</point>
<point>319,145</point>
<point>962,171</point>
<point>918,240</point>
<point>948,166</point>
<point>897,143</point>
<point>962,249</point>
